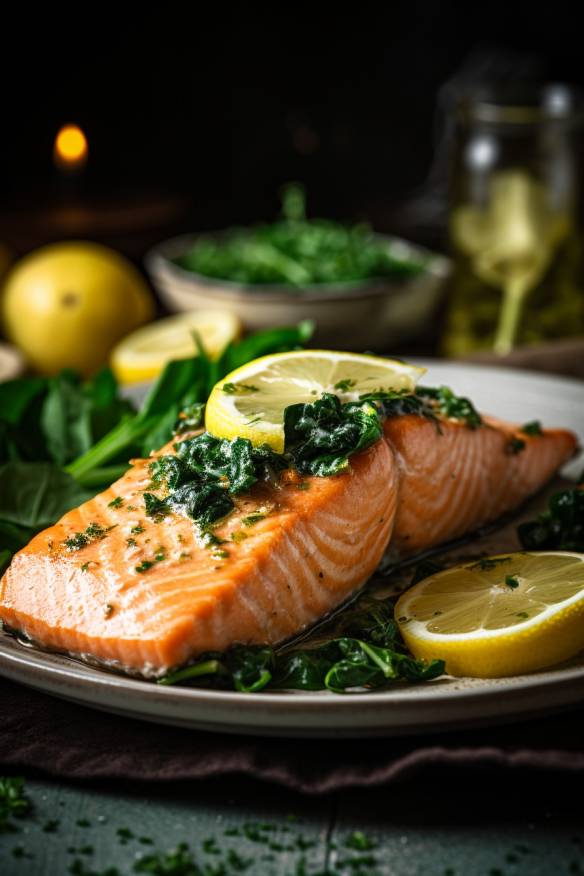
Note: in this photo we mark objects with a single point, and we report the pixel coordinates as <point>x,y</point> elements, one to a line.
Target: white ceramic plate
<point>440,705</point>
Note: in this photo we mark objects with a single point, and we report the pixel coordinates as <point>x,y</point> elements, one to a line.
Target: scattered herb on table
<point>512,582</point>
<point>13,802</point>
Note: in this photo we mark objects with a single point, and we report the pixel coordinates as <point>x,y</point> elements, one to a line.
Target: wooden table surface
<point>434,825</point>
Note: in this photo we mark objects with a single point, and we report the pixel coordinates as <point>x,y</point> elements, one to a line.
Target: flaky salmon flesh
<point>149,596</point>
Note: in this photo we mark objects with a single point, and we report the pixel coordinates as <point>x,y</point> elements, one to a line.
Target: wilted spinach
<point>560,527</point>
<point>320,437</point>
<point>363,650</point>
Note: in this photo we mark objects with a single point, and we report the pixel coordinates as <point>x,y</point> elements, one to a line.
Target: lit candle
<point>70,150</point>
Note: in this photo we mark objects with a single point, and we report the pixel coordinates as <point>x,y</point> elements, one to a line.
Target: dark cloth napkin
<point>43,735</point>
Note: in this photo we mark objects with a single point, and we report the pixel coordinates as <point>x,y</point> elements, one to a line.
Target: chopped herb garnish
<point>238,536</point>
<point>239,388</point>
<point>84,567</point>
<point>184,555</point>
<point>450,405</point>
<point>522,614</point>
<point>487,563</point>
<point>94,532</point>
<point>252,519</point>
<point>220,554</point>
<point>532,428</point>
<point>515,445</point>
<point>144,566</point>
<point>116,503</point>
<point>131,542</point>
<point>137,530</point>
<point>345,385</point>
<point>511,581</point>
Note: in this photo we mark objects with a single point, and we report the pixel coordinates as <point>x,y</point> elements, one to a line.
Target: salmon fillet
<point>147,596</point>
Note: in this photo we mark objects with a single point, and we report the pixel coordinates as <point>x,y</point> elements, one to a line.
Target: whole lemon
<point>66,305</point>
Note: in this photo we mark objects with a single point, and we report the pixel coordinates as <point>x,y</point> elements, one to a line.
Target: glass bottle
<point>513,221</point>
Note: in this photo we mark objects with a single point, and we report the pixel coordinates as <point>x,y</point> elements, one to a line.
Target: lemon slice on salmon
<point>250,402</point>
<point>143,354</point>
<point>503,615</point>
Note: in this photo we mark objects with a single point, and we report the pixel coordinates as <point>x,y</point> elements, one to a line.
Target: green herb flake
<point>94,532</point>
<point>532,428</point>
<point>239,388</point>
<point>131,542</point>
<point>514,446</point>
<point>84,567</point>
<point>487,563</point>
<point>144,566</point>
<point>137,530</point>
<point>51,826</point>
<point>13,802</point>
<point>116,503</point>
<point>238,536</point>
<point>345,385</point>
<point>252,519</point>
<point>522,614</point>
<point>512,582</point>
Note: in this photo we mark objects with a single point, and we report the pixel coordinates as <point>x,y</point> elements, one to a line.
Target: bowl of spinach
<point>361,289</point>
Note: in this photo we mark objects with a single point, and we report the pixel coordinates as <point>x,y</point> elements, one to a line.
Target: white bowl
<point>369,314</point>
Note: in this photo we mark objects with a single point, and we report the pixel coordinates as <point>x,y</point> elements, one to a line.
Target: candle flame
<point>70,149</point>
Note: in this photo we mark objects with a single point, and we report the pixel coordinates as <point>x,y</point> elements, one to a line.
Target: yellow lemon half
<point>503,615</point>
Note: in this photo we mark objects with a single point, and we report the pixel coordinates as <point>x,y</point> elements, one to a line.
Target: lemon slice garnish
<point>503,615</point>
<point>143,354</point>
<point>250,402</point>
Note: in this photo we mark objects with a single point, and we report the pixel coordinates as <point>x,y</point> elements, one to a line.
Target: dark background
<point>225,105</point>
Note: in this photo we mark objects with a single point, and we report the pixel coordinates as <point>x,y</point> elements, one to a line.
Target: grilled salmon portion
<point>458,479</point>
<point>146,596</point>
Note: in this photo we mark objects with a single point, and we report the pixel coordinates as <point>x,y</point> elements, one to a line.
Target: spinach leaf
<point>560,527</point>
<point>372,657</point>
<point>320,437</point>
<point>184,385</point>
<point>66,418</point>
<point>33,495</point>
